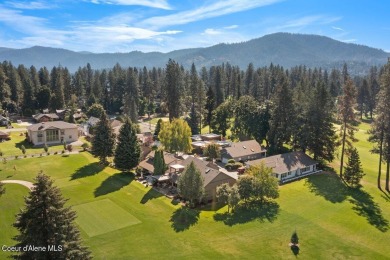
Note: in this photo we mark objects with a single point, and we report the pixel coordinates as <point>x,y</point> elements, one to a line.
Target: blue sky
<point>166,25</point>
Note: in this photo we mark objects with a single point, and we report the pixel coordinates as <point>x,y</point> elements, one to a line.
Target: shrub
<point>46,148</point>
<point>16,157</point>
<point>85,146</point>
<point>55,152</point>
<point>231,161</point>
<point>1,153</point>
<point>69,147</point>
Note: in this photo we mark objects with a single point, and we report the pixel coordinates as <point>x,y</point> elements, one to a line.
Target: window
<point>70,137</point>
<point>40,137</point>
<point>284,175</point>
<point>62,132</point>
<point>306,169</point>
<point>52,135</point>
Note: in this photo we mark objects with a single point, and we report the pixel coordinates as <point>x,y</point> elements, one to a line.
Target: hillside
<point>284,49</point>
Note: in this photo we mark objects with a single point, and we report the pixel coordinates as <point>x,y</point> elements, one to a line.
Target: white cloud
<point>218,8</point>
<point>211,31</point>
<point>337,28</point>
<point>162,4</point>
<point>234,26</point>
<point>34,5</point>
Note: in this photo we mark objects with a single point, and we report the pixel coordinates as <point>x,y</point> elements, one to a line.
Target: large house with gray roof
<point>54,132</point>
<point>243,151</point>
<point>288,166</point>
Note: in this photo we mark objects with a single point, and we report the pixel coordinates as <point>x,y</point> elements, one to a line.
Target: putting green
<point>100,217</point>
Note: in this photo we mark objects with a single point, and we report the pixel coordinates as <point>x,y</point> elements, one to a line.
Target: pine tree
<point>128,151</point>
<point>174,88</point>
<point>159,163</point>
<point>193,121</point>
<point>103,140</point>
<point>158,127</point>
<point>347,117</point>
<point>96,110</point>
<point>46,222</point>
<point>282,116</point>
<point>294,238</point>
<point>210,105</point>
<point>353,171</point>
<point>190,184</point>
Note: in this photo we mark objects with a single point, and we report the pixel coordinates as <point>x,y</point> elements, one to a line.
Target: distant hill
<point>285,49</point>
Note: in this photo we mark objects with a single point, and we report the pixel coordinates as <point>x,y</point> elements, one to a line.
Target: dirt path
<point>27,184</point>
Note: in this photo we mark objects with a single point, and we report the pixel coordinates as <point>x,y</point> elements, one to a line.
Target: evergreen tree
<point>190,184</point>
<point>294,238</point>
<point>174,88</point>
<point>353,171</point>
<point>282,117</point>
<point>131,97</point>
<point>159,163</point>
<point>128,151</point>
<point>158,127</point>
<point>46,222</point>
<point>318,136</point>
<point>210,105</point>
<point>5,90</point>
<point>103,141</point>
<point>193,121</point>
<point>57,86</point>
<point>347,117</point>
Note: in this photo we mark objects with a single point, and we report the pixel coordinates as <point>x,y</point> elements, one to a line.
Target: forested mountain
<point>285,49</point>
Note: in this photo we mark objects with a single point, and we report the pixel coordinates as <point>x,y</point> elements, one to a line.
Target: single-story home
<point>54,132</point>
<point>45,117</point>
<point>147,164</point>
<point>4,136</point>
<point>212,175</point>
<point>243,151</point>
<point>288,166</point>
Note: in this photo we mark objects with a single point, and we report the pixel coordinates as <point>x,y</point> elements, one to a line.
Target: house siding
<point>211,188</point>
<point>70,135</point>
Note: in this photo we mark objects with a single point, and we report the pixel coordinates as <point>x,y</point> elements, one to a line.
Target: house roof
<point>115,123</point>
<point>242,149</point>
<point>147,164</point>
<point>3,134</point>
<point>53,124</point>
<point>286,162</point>
<point>39,116</point>
<point>208,172</point>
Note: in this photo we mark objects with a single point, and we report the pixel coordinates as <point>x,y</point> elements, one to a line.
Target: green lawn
<point>12,147</point>
<point>121,219</point>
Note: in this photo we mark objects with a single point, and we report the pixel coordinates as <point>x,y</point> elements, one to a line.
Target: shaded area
<point>333,189</point>
<point>253,210</point>
<point>151,194</point>
<point>86,171</point>
<point>114,183</point>
<point>295,250</point>
<point>365,206</point>
<point>183,218</point>
<point>329,186</point>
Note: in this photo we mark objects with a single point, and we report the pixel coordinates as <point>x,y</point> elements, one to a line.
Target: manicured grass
<point>103,216</point>
<point>10,204</point>
<point>12,147</point>
<point>154,120</point>
<point>332,221</point>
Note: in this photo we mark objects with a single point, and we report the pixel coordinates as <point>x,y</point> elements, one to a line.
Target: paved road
<point>27,184</point>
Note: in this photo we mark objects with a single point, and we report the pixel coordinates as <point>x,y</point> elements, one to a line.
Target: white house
<point>288,166</point>
<point>54,132</point>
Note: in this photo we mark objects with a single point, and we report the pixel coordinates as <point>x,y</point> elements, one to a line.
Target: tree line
<point>271,104</point>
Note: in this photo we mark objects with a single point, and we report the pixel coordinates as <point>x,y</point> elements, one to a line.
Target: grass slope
<point>332,221</point>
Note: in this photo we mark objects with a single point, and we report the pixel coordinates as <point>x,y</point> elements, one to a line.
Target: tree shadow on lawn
<point>254,210</point>
<point>151,194</point>
<point>365,206</point>
<point>87,170</point>
<point>114,183</point>
<point>329,186</point>
<point>333,189</point>
<point>183,218</point>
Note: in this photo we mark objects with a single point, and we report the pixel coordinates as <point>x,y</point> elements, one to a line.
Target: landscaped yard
<point>121,219</point>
